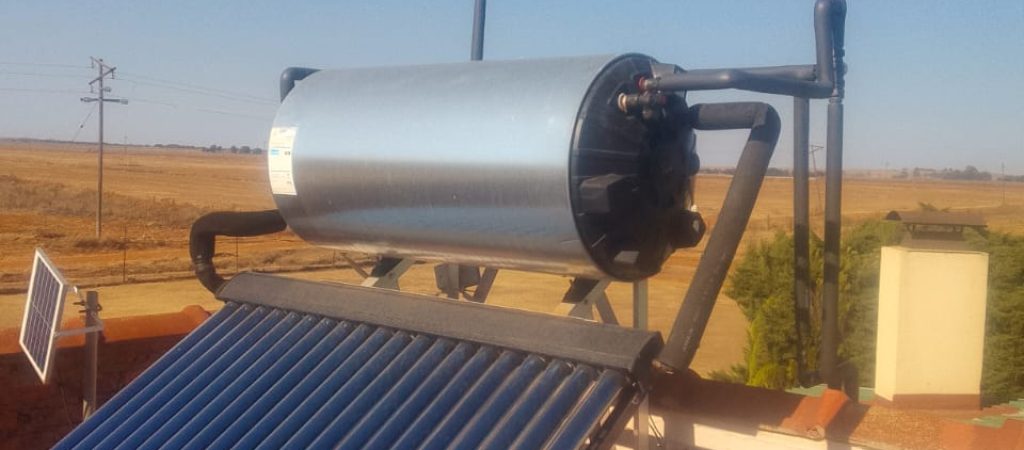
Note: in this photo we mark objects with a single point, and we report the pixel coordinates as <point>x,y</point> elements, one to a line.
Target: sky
<point>931,83</point>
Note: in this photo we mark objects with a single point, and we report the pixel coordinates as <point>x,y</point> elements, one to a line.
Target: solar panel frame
<point>40,329</point>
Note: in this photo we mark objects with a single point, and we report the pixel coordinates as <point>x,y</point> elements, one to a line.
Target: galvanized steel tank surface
<point>465,162</point>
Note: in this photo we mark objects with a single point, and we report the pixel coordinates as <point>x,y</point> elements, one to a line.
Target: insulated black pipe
<point>807,72</point>
<point>801,229</point>
<point>824,43</point>
<point>829,359</point>
<point>479,16</point>
<point>203,238</point>
<point>292,75</point>
<point>705,80</point>
<point>834,372</point>
<point>764,124</point>
<point>829,18</point>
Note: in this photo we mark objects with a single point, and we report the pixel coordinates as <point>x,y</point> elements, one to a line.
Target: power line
<point>196,86</point>
<point>204,110</point>
<point>37,74</point>
<point>82,125</point>
<point>71,66</point>
<point>144,80</point>
<point>195,89</point>
<point>43,91</point>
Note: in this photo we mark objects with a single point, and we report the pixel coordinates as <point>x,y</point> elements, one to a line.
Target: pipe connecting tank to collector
<point>531,164</point>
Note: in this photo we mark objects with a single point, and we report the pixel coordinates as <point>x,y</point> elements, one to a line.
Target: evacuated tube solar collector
<point>528,164</point>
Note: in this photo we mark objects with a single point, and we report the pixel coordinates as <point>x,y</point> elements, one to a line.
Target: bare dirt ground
<point>47,198</point>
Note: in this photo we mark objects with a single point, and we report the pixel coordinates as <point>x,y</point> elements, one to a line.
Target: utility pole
<point>104,72</point>
<point>814,161</point>
<point>1002,177</point>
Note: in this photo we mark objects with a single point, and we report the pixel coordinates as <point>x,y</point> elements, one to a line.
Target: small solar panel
<point>43,308</point>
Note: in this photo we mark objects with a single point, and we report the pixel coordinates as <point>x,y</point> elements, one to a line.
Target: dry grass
<point>56,199</point>
<point>151,196</point>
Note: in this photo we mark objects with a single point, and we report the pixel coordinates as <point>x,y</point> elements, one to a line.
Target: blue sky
<point>931,83</point>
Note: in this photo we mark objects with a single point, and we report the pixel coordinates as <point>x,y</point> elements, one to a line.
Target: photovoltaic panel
<point>43,308</point>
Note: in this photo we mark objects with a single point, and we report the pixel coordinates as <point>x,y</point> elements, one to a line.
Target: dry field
<point>47,195</point>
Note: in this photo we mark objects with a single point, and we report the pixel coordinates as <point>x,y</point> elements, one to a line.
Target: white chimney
<point>931,316</point>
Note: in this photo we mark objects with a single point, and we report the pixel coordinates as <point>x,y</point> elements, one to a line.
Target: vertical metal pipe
<point>640,305</point>
<point>90,354</point>
<point>833,229</point>
<point>479,16</point>
<point>801,226</point>
<point>641,420</point>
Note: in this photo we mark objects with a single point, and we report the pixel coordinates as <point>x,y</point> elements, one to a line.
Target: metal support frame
<point>483,288</point>
<point>91,353</point>
<point>355,266</point>
<point>583,297</point>
<point>453,282</point>
<point>387,277</point>
<point>641,419</point>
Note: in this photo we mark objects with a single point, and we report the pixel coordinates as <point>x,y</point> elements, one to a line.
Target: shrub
<point>762,285</point>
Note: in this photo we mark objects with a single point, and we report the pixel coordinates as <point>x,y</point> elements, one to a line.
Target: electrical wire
<point>44,91</point>
<point>37,74</point>
<point>193,89</point>
<point>82,125</point>
<point>137,79</point>
<point>207,110</point>
<point>71,66</point>
<point>195,86</point>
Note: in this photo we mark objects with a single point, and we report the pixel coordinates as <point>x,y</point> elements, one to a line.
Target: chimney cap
<point>936,229</point>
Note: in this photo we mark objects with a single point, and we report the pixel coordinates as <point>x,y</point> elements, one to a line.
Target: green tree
<point>1003,367</point>
<point>762,285</point>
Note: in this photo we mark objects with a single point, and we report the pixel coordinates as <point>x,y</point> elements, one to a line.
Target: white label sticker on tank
<point>279,160</point>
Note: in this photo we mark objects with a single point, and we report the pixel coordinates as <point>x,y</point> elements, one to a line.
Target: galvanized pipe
<point>801,227</point>
<point>764,125</point>
<point>479,17</point>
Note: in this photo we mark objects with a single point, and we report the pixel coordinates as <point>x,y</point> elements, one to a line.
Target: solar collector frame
<point>44,306</point>
<point>298,364</point>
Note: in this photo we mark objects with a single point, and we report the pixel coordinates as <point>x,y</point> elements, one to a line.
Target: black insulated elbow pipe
<point>292,75</point>
<point>203,238</point>
<point>764,125</point>
<point>829,23</point>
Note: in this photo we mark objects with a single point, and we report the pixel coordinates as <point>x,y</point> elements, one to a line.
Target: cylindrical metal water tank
<point>516,164</point>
